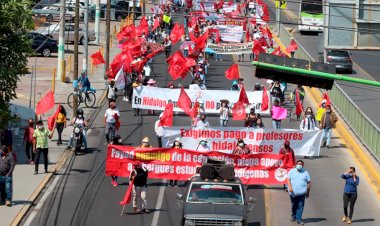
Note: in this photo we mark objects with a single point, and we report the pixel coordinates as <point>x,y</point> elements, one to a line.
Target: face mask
<point>120,141</point>
<point>145,144</point>
<point>241,144</point>
<point>308,116</point>
<point>286,146</point>
<point>31,124</point>
<point>299,167</point>
<point>328,111</point>
<point>80,116</point>
<point>308,111</point>
<point>323,105</point>
<point>40,127</point>
<point>203,143</point>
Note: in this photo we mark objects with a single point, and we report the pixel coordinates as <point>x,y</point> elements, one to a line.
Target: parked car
<point>42,44</point>
<point>119,14</point>
<point>53,32</point>
<point>341,59</point>
<point>52,13</point>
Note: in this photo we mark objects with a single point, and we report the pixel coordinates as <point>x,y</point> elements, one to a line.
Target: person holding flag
<point>138,179</point>
<point>159,129</point>
<point>60,123</point>
<point>176,145</point>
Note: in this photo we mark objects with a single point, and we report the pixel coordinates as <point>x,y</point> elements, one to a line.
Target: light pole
<point>97,21</point>
<point>61,42</point>
<point>85,52</point>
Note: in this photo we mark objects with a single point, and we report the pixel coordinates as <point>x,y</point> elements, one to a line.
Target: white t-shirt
<point>110,115</point>
<point>224,113</point>
<point>203,149</point>
<point>202,124</point>
<point>159,129</point>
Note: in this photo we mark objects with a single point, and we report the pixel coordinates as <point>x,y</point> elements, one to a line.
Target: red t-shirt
<point>28,134</point>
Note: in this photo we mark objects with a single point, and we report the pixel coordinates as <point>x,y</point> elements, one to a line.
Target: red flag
<point>232,72</point>
<point>327,98</point>
<point>167,117</point>
<point>128,32</point>
<point>175,35</point>
<point>230,3</point>
<point>239,8</point>
<point>128,195</point>
<point>45,104</point>
<point>263,41</point>
<point>277,51</point>
<point>97,58</point>
<point>238,111</point>
<point>264,100</point>
<point>253,21</point>
<point>53,117</point>
<point>143,22</point>
<point>184,102</point>
<point>156,23</point>
<point>243,98</point>
<point>257,48</point>
<point>194,110</point>
<point>299,107</point>
<point>293,46</point>
<point>265,16</point>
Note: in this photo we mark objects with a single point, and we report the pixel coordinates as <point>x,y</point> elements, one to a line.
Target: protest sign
<point>154,98</point>
<point>181,164</point>
<point>279,113</point>
<point>237,48</point>
<point>224,139</point>
<point>230,33</point>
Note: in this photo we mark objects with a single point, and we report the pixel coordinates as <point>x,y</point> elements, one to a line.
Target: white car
<point>53,32</point>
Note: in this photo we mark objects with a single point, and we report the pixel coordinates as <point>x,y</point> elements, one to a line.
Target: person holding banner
<point>275,113</point>
<point>159,130</point>
<point>241,148</point>
<point>299,185</point>
<point>202,123</point>
<point>145,143</point>
<point>259,124</point>
<point>251,119</point>
<point>203,147</point>
<point>224,111</point>
<point>287,150</point>
<point>176,145</point>
<point>139,177</point>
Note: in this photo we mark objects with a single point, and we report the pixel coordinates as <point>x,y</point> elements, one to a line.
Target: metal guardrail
<point>361,125</point>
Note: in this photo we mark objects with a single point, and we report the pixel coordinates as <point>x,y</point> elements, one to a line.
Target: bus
<point>310,16</point>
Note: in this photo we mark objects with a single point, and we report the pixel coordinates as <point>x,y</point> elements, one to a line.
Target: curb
<point>57,167</point>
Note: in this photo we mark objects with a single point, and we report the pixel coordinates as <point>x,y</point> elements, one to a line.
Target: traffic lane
<point>324,207</point>
<point>368,61</point>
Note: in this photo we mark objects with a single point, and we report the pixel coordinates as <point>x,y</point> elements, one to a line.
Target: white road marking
<point>42,201</point>
<point>160,198</point>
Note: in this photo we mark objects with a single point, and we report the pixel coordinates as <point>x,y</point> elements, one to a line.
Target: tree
<point>15,48</point>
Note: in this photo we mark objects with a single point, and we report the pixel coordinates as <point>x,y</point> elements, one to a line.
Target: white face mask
<point>80,116</point>
<point>40,127</point>
<point>241,144</point>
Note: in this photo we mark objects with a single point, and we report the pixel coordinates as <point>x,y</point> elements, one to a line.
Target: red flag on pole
<point>299,107</point>
<point>194,110</point>
<point>277,51</point>
<point>128,195</point>
<point>232,72</point>
<point>327,98</point>
<point>243,98</point>
<point>257,48</point>
<point>97,58</point>
<point>265,100</point>
<point>184,102</point>
<point>292,46</point>
<point>167,117</point>
<point>175,35</point>
<point>53,117</point>
<point>238,111</point>
<point>46,103</point>
<point>156,23</point>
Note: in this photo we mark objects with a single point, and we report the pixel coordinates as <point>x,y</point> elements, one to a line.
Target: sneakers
<point>8,203</point>
<point>114,183</point>
<point>145,211</point>
<point>349,221</point>
<point>35,173</point>
<point>136,210</point>
<point>344,219</point>
<point>300,222</point>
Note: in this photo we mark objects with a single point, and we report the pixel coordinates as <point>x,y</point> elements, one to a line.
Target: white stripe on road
<point>42,201</point>
<point>160,198</point>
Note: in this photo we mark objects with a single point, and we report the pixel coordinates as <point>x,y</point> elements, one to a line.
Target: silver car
<point>53,32</point>
<point>341,59</point>
<point>52,13</point>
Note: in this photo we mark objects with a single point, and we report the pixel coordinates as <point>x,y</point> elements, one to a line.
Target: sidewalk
<point>27,186</point>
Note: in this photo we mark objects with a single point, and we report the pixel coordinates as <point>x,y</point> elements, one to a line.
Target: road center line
<point>160,198</point>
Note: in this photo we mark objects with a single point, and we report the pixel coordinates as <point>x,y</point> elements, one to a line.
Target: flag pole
<point>122,211</point>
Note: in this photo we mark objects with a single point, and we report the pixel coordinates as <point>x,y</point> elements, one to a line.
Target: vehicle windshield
<point>339,53</point>
<point>313,7</point>
<point>215,193</point>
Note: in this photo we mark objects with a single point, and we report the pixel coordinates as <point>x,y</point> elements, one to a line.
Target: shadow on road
<point>314,219</point>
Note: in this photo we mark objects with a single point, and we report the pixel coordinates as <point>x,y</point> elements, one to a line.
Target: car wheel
<point>49,18</point>
<point>119,18</point>
<point>81,41</point>
<point>46,52</point>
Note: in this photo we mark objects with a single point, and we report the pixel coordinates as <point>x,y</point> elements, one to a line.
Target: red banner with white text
<point>181,164</point>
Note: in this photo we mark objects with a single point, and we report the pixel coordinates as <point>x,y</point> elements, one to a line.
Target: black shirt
<point>7,164</point>
<point>141,177</point>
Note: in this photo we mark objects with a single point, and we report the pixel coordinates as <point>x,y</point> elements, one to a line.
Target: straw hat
<point>145,140</point>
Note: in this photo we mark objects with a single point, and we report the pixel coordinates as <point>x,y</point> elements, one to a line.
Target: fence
<point>361,125</point>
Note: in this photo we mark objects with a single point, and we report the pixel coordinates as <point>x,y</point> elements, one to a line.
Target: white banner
<point>230,33</point>
<point>154,98</point>
<point>224,139</point>
<point>238,48</point>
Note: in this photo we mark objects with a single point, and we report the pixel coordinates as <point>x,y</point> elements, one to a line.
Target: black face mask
<point>286,146</point>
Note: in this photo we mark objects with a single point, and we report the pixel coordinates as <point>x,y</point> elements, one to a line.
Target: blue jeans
<point>297,204</point>
<point>276,124</point>
<point>223,122</point>
<point>326,135</point>
<point>6,188</point>
<point>83,137</point>
<point>218,56</point>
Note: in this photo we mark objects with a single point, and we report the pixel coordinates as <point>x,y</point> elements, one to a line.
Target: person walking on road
<point>251,119</point>
<point>7,165</point>
<point>145,143</point>
<point>40,146</point>
<point>176,145</point>
<point>276,122</point>
<point>299,185</point>
<point>328,122</point>
<point>139,178</point>
<point>287,150</point>
<point>350,193</point>
<point>202,123</point>
<point>159,129</point>
<point>111,91</point>
<point>116,141</point>
<point>203,146</point>
<point>111,118</point>
<point>241,148</point>
<point>320,111</point>
<point>60,123</point>
<point>224,112</point>
<point>28,141</point>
